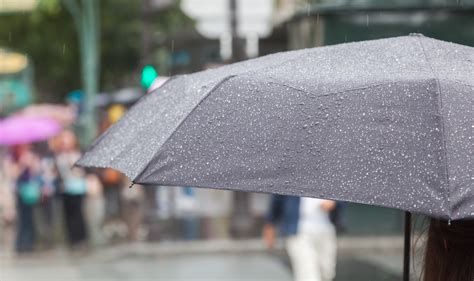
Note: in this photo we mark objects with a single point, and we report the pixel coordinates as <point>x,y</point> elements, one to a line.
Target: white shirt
<point>313,219</point>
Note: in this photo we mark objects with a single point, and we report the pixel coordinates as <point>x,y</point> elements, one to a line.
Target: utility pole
<point>85,15</point>
<point>237,50</point>
<point>147,33</point>
<point>241,221</point>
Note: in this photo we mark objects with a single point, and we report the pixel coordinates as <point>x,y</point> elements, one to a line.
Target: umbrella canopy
<point>26,129</point>
<point>385,122</point>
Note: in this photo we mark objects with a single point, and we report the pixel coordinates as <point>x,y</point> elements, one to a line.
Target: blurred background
<point>82,63</point>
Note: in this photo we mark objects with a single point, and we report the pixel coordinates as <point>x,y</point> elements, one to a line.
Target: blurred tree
<point>48,37</point>
<point>86,18</point>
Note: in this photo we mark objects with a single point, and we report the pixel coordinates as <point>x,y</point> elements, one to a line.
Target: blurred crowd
<point>42,190</point>
<point>46,201</point>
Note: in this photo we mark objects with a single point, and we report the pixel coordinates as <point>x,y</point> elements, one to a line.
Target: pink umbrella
<point>23,129</point>
<point>62,113</point>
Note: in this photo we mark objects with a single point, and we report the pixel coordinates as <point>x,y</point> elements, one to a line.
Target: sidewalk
<point>346,245</point>
<point>373,258</point>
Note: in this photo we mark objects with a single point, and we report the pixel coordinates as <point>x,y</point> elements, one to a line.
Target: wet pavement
<point>236,261</point>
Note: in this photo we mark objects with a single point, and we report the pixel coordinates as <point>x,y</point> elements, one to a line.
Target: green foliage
<point>47,35</point>
<point>49,6</point>
<point>120,43</point>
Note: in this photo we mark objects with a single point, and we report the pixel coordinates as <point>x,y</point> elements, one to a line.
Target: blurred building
<point>16,81</point>
<point>333,22</point>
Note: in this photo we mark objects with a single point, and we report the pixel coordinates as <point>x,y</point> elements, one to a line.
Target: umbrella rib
<point>218,84</point>
<point>335,92</point>
<point>440,107</point>
<point>223,80</point>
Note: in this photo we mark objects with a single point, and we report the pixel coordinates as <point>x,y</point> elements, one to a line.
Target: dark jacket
<point>284,212</point>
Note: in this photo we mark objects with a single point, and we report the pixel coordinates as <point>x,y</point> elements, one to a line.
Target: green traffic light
<point>149,75</point>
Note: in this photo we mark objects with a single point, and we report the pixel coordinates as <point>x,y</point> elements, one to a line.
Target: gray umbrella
<point>385,122</point>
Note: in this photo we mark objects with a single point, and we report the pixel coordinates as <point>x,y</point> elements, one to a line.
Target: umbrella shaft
<point>407,246</point>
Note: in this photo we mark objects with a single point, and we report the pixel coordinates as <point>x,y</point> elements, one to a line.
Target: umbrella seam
<point>457,81</point>
<point>223,80</point>
<point>443,130</point>
<point>144,97</point>
<point>102,136</point>
<point>341,91</point>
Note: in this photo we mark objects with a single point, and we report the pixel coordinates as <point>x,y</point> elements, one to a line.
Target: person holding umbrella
<point>74,189</point>
<point>449,253</point>
<point>18,133</point>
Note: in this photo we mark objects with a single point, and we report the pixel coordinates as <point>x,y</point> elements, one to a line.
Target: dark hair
<point>449,254</point>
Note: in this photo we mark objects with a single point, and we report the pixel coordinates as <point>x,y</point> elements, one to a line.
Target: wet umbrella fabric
<point>384,122</point>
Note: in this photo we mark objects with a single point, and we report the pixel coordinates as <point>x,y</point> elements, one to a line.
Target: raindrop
<point>367,20</point>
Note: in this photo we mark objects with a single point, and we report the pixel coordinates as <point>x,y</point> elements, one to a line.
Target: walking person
<point>27,186</point>
<point>187,206</point>
<point>49,187</point>
<point>310,235</point>
<point>74,189</point>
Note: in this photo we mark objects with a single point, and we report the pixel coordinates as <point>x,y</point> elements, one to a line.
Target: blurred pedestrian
<point>187,206</point>
<point>73,187</point>
<point>310,235</point>
<point>27,170</point>
<point>95,209</point>
<point>338,216</point>
<point>449,253</point>
<point>111,179</point>
<point>133,209</point>
<point>49,186</point>
<point>113,183</point>
<point>7,202</point>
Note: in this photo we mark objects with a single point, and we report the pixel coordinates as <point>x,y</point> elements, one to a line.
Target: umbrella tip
<point>131,185</point>
<point>416,34</point>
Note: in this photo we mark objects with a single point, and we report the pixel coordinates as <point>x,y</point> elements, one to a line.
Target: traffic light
<point>149,74</point>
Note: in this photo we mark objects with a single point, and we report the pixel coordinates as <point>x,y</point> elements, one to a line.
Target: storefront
<point>16,81</point>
